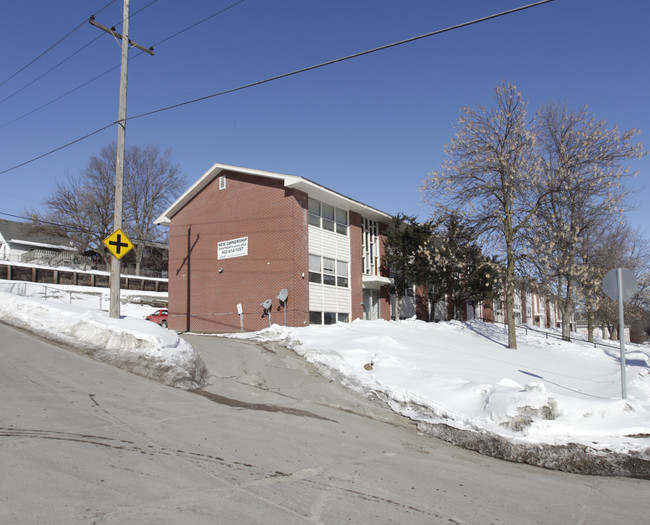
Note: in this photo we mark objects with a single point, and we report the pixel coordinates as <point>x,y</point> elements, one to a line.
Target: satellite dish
<point>266,304</point>
<point>284,293</point>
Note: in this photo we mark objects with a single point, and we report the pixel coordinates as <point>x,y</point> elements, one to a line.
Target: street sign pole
<point>621,330</point>
<point>620,285</point>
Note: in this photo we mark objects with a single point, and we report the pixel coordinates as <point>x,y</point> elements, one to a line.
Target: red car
<point>158,317</point>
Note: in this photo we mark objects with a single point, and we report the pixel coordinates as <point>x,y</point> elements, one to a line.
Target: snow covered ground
<point>548,392</point>
<point>462,375</point>
<point>78,316</point>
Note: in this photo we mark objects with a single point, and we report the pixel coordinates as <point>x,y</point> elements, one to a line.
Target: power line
<point>60,96</point>
<point>118,65</point>
<point>59,148</point>
<point>51,69</point>
<point>69,56</point>
<point>69,227</point>
<point>342,59</point>
<point>198,23</point>
<point>285,75</point>
<point>51,47</point>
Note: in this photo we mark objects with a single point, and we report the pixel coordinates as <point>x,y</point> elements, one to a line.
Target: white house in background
<point>27,242</point>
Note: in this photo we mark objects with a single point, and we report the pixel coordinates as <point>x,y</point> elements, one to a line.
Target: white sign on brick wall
<point>232,248</point>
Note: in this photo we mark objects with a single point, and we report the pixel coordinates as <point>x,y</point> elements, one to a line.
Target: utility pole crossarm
<point>117,35</point>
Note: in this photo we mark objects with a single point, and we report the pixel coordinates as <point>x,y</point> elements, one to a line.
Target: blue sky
<point>370,128</point>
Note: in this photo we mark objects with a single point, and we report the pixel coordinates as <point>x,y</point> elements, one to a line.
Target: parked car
<point>158,317</point>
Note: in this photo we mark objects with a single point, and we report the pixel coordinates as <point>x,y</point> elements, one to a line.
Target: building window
<point>222,182</point>
<point>324,270</point>
<point>370,246</point>
<point>342,274</point>
<point>328,217</point>
<point>315,269</point>
<point>329,271</point>
<point>341,221</point>
<point>327,317</point>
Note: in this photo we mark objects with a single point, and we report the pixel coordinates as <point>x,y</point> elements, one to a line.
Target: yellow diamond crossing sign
<point>118,243</point>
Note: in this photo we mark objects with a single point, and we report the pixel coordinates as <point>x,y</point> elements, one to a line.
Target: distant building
<point>239,236</point>
<point>32,242</point>
<point>530,308</point>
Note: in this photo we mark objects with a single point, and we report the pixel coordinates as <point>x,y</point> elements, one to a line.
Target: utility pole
<point>119,163</point>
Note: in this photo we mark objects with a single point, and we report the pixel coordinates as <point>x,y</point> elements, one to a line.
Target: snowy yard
<point>460,374</point>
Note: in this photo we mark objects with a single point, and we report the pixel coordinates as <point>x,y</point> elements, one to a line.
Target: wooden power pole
<point>121,134</point>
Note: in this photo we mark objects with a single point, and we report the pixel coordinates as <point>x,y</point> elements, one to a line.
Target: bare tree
<point>493,180</point>
<point>583,159</point>
<point>152,179</point>
<point>625,248</point>
<point>83,204</point>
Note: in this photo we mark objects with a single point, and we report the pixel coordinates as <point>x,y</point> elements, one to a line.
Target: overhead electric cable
<point>51,69</point>
<point>338,60</point>
<point>198,23</point>
<point>59,148</point>
<point>118,65</point>
<point>285,75</point>
<point>71,55</point>
<point>52,46</point>
<point>69,227</point>
<point>60,96</point>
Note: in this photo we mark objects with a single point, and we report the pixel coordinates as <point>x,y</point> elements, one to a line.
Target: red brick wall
<point>356,267</point>
<point>274,219</point>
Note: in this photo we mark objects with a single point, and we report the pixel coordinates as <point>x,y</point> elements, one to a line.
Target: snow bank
<point>133,344</point>
<point>462,376</point>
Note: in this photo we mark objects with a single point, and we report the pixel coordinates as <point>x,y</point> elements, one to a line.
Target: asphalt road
<point>267,441</point>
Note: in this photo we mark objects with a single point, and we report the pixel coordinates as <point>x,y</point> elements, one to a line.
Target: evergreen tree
<point>458,269</point>
<point>404,255</point>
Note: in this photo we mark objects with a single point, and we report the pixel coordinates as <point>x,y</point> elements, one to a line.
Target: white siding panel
<point>343,248</point>
<point>329,244</point>
<point>316,297</point>
<point>315,240</point>
<point>323,298</point>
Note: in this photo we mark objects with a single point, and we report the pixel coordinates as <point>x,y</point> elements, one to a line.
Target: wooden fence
<point>43,274</point>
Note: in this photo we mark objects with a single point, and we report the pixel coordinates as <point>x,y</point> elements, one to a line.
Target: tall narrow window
<point>341,221</point>
<point>329,268</point>
<point>222,182</point>
<point>314,269</point>
<point>342,274</point>
<point>314,212</point>
<point>327,211</point>
<point>370,244</point>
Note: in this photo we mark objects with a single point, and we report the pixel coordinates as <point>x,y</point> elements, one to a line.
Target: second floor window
<point>324,270</point>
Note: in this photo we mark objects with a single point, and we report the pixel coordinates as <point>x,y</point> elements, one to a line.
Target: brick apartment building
<point>239,236</point>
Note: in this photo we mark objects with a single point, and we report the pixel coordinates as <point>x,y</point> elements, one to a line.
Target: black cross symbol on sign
<point>118,244</point>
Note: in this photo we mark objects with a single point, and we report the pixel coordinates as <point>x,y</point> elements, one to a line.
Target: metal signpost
<point>620,285</point>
